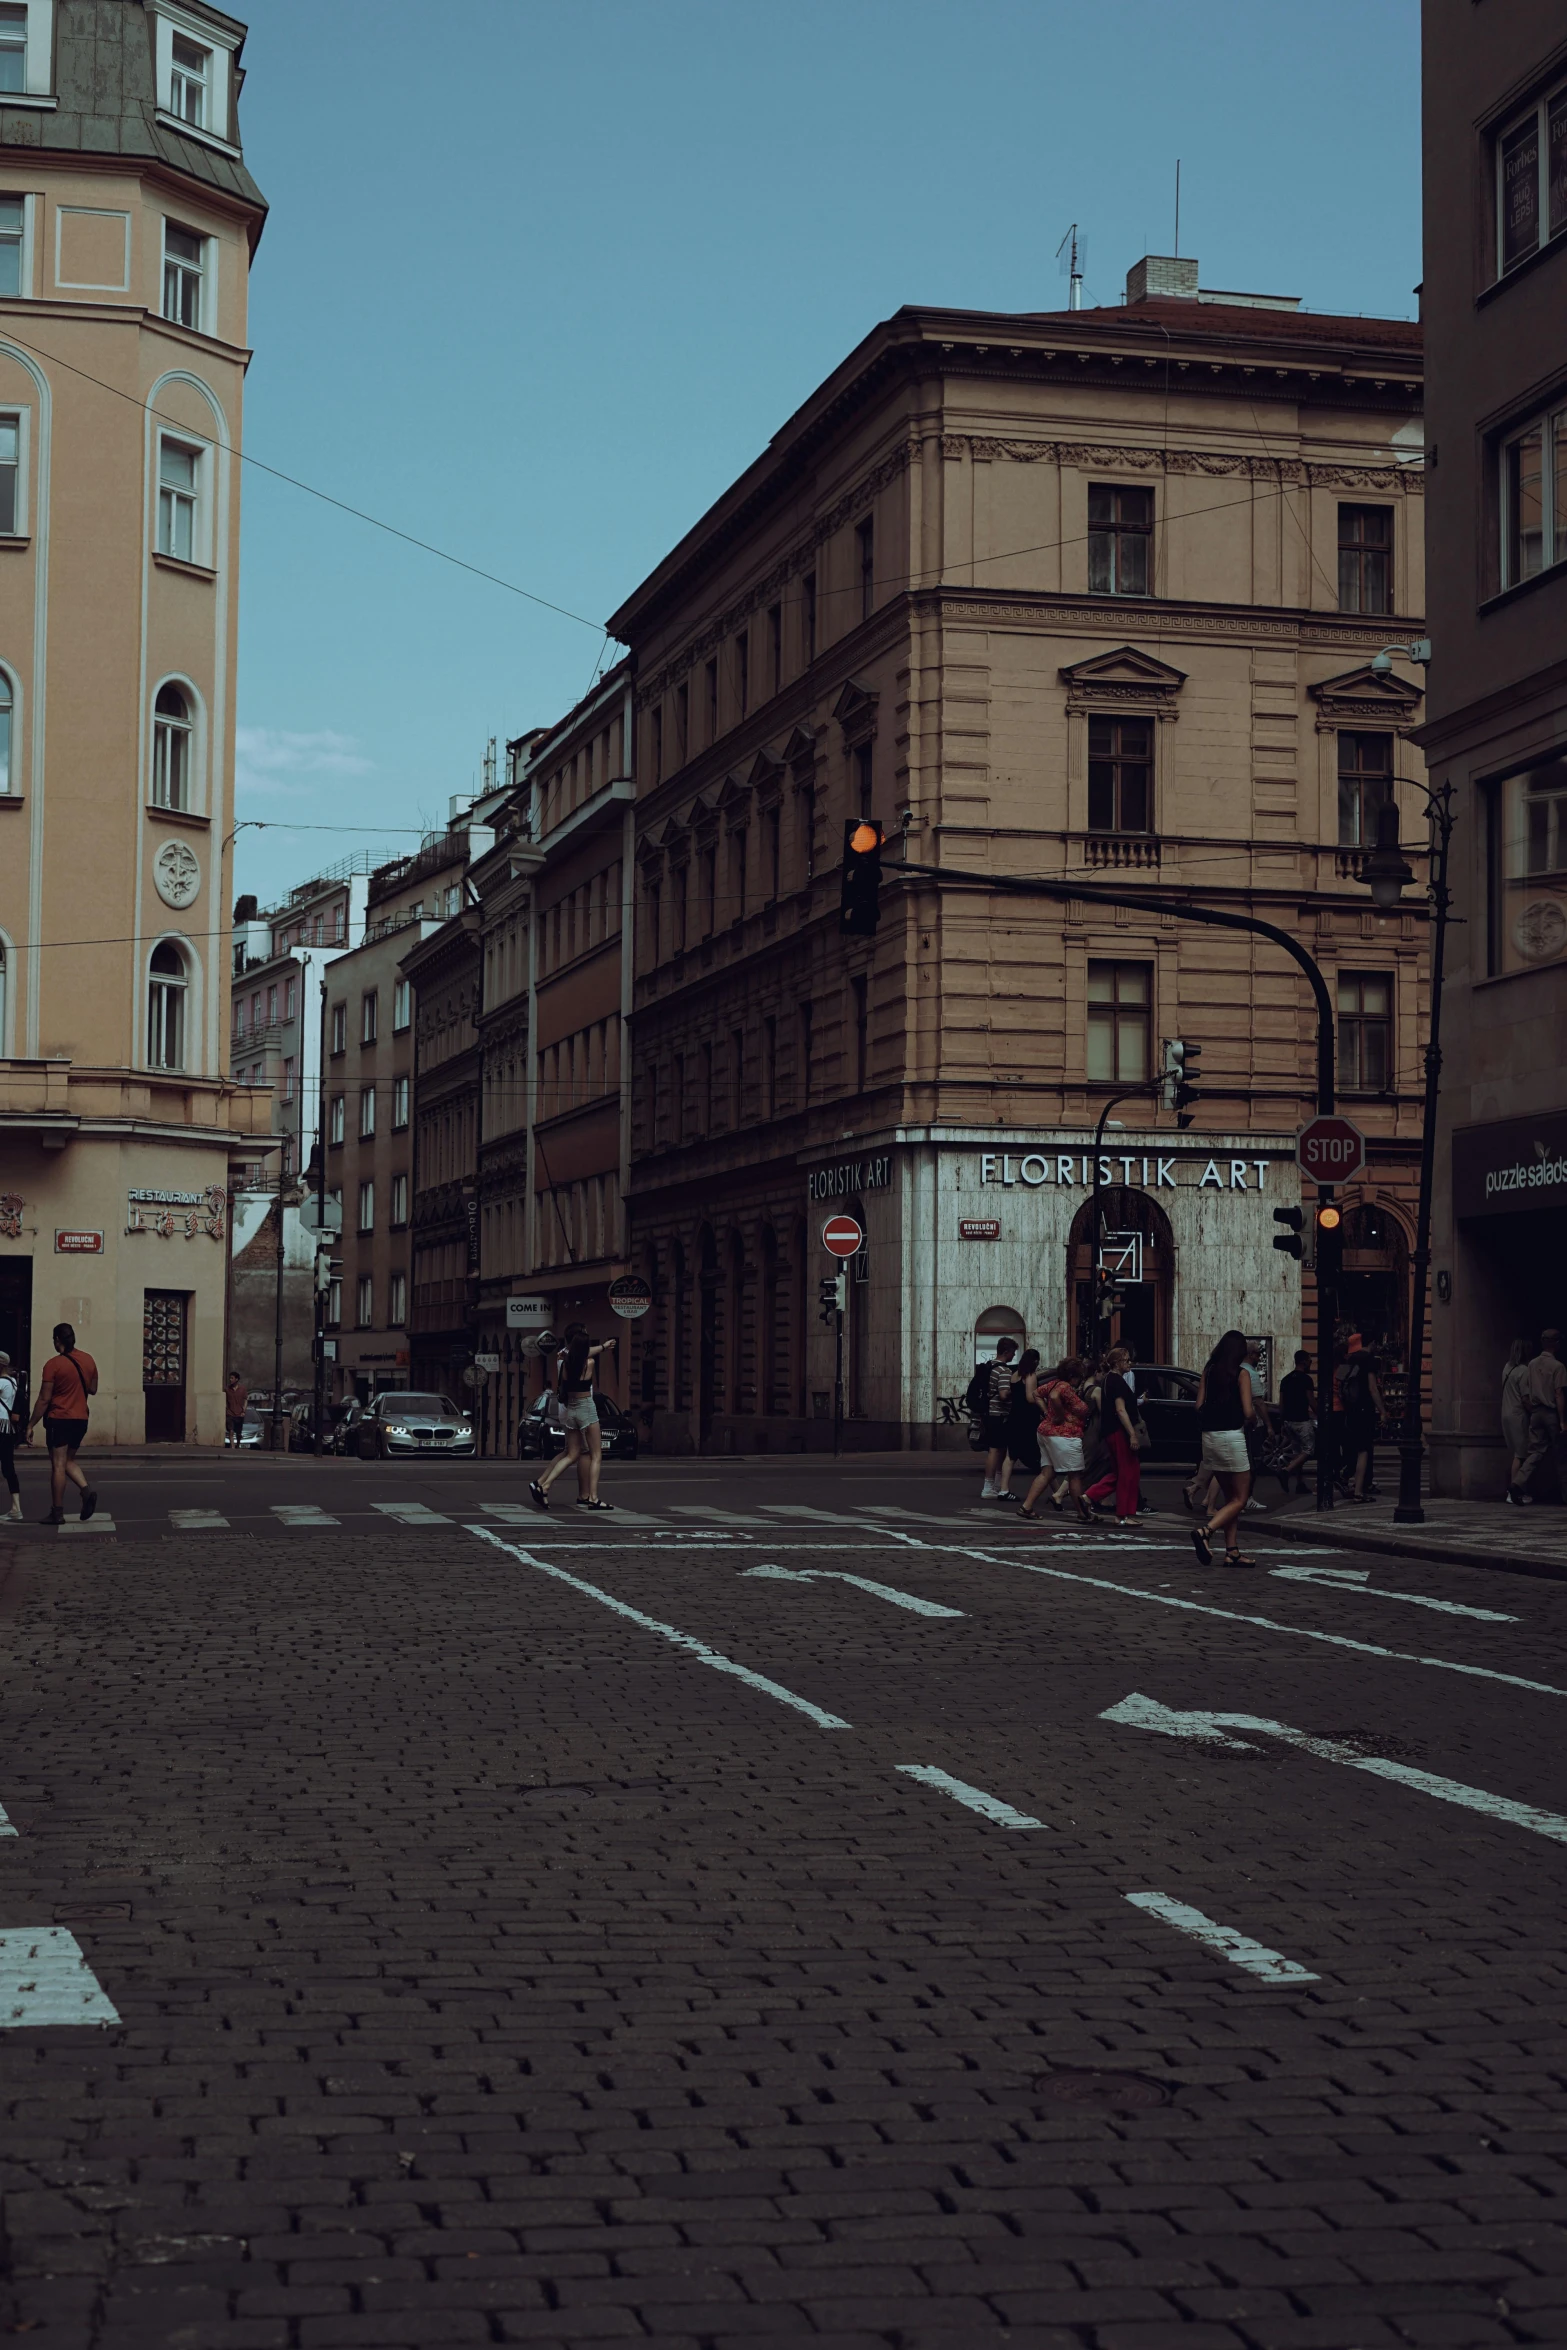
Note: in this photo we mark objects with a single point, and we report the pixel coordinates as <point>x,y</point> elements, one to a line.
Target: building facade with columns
<point>127,225</point>
<point>1090,596</point>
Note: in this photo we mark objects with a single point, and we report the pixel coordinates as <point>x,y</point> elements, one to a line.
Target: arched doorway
<point>994,1324</point>
<point>1374,1285</point>
<point>1137,1245</point>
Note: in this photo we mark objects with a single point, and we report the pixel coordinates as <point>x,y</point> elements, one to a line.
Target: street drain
<point>1111,2092</point>
<point>564,1797</point>
<point>101,1913</point>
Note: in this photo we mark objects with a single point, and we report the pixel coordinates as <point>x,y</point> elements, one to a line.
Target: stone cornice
<point>1143,457</point>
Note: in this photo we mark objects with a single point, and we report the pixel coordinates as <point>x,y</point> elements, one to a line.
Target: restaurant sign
<point>1511,1168</point>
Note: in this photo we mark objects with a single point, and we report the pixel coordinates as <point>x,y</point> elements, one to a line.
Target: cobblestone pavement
<point>571,1934</point>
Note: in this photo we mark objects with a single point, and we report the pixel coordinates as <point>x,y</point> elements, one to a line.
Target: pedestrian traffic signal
<point>1290,1242</point>
<point>1330,1242</point>
<point>830,1292</point>
<point>1181,1075</point>
<point>859,905</point>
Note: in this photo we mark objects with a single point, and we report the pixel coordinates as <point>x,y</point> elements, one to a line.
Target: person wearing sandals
<point>576,1412</point>
<point>1022,1438</point>
<point>1117,1409</point>
<point>1225,1412</point>
<point>1065,1416</point>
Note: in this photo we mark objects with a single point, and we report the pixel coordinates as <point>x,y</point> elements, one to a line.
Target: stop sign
<point>842,1237</point>
<point>1331,1150</point>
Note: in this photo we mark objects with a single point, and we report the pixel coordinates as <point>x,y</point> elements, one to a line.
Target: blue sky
<point>539,280</point>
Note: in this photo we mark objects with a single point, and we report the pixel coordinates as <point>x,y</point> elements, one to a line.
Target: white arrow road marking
<point>990,1807</point>
<point>44,1979</point>
<point>411,1513</point>
<point>1358,1579</point>
<point>198,1521</point>
<point>685,1640</point>
<point>6,1828</point>
<point>1228,1615</point>
<point>1145,1713</point>
<point>302,1513</point>
<point>1256,1957</point>
<point>918,1607</point>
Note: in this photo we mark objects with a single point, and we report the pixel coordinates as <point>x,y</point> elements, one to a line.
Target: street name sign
<point>1331,1150</point>
<point>842,1236</point>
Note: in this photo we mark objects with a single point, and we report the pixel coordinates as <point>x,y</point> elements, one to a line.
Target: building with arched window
<point>127,225</point>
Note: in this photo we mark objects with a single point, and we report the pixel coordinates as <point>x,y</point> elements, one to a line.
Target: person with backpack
<point>69,1378</point>
<point>8,1433</point>
<point>1000,1378</point>
<point>1022,1441</point>
<point>575,1411</point>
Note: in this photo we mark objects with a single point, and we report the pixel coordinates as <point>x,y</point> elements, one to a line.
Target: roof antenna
<point>1177,208</point>
<point>1072,265</point>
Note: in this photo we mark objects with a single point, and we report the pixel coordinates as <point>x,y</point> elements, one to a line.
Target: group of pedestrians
<point>70,1377</point>
<point>1055,1424</point>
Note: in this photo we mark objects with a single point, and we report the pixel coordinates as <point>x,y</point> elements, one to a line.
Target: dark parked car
<point>302,1427</point>
<point>537,1440</point>
<point>1168,1398</point>
<point>345,1434</point>
<point>397,1425</point>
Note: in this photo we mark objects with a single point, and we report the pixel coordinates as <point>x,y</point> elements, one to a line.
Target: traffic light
<point>1330,1242</point>
<point>1290,1242</point>
<point>328,1270</point>
<point>830,1293</point>
<point>859,904</point>
<point>1181,1075</point>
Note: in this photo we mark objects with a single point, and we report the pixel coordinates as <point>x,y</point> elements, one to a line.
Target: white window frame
<point>186,79</point>
<point>337,1119</point>
<point>364,1301</point>
<point>195,800</point>
<point>36,90</point>
<point>369,1015</point>
<point>339,1042</point>
<point>22,416</point>
<point>172,21</point>
<point>161,987</point>
<point>10,729</point>
<point>1540,109</point>
<point>367,1114</point>
<point>199,496</point>
<point>1551,424</point>
<point>27,238</point>
<point>202,322</point>
<point>399,1205</point>
<point>401,1089</point>
<point>402,1005</point>
<point>397,1301</point>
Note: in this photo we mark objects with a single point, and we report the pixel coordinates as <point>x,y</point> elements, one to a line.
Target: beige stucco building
<point>1091,596</point>
<point>127,223</point>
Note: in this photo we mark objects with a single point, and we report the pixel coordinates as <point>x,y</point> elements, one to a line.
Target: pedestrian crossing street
<point>688,1520</point>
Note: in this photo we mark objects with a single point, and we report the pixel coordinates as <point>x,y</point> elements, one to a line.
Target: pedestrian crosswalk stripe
<point>302,1513</point>
<point>705,1509</point>
<point>801,1509</point>
<point>44,1979</point>
<point>101,1523</point>
<point>198,1521</point>
<point>892,1509</point>
<point>1238,1948</point>
<point>989,1807</point>
<point>412,1513</point>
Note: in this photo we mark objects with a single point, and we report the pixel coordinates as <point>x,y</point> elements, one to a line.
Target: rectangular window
<point>860,990</point>
<point>1365,1030</point>
<point>712,701</point>
<point>397,1300</point>
<point>709,891</point>
<point>865,552</point>
<point>367,1207</point>
<point>677,1107</point>
<point>772,848</point>
<point>770,1066</point>
<point>1120,774</point>
<point>862,778</point>
<point>707,1089</point>
<point>367,1113</point>
<point>1531,180</point>
<point>184,264</point>
<point>334,1304</point>
<point>13,48</point>
<point>364,1301</point>
<point>337,1118</point>
<point>288,1001</point>
<point>339,1028</point>
<point>177,485</point>
<point>775,647</point>
<point>680,884</point>
<point>737,875</point>
<point>1119,1021</point>
<point>1365,783</point>
<point>1365,558</point>
<point>657,722</point>
<point>271,1007</point>
<point>399,1102</point>
<point>1528,869</point>
<point>743,669</point>
<point>1534,498</point>
<point>808,615</point>
<point>255,1010</point>
<point>402,1005</point>
<point>13,221</point>
<point>290,1068</point>
<point>736,1075</point>
<point>189,80</point>
<point>368,1013</point>
<point>399,1199</point>
<point>1120,540</point>
<point>807,1025</point>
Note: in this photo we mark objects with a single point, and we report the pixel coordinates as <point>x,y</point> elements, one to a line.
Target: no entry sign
<point>1331,1150</point>
<point>842,1237</point>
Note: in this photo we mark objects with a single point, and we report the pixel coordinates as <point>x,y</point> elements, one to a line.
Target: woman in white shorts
<point>577,1413</point>
<point>1225,1411</point>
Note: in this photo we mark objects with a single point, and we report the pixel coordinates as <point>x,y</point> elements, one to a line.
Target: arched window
<point>5,732</point>
<point>166,1008</point>
<point>171,736</point>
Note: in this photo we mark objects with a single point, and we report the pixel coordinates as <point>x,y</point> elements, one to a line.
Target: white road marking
<point>1196,1607</point>
<point>411,1513</point>
<point>892,1509</point>
<point>1358,1579</point>
<point>302,1513</point>
<point>1240,1949</point>
<point>101,1523</point>
<point>198,1521</point>
<point>800,1509</point>
<point>703,1509</point>
<point>990,1807</point>
<point>692,1646</point>
<point>918,1607</point>
<point>1145,1713</point>
<point>44,1979</point>
<point>6,1828</point>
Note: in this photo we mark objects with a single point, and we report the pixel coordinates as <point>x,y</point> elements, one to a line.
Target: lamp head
<point>1385,872</point>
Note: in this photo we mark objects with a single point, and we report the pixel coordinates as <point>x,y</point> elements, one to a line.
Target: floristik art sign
<point>1076,1168</point>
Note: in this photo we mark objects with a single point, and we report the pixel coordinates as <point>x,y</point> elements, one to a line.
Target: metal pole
<point>1327,1329</point>
<point>837,1375</point>
<point>1095,1318</point>
<point>1411,1444</point>
<point>321,1238</point>
<point>277,1332</point>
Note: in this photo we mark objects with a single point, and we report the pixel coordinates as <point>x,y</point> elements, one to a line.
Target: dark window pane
<point>1134,799</point>
<point>1348,579</point>
<point>1133,566</point>
<point>1521,191</point>
<point>1101,503</point>
<point>1101,796</point>
<point>1101,738</point>
<point>1556,164</point>
<point>1101,574</point>
<point>1134,742</point>
<point>1374,584</point>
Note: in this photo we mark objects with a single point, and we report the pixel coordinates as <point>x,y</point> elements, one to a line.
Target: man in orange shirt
<point>69,1378</point>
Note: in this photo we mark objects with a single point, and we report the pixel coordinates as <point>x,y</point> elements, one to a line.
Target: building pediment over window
<point>766,774</point>
<point>702,818</point>
<point>1365,697</point>
<point>1123,680</point>
<point>800,749</point>
<point>733,803</point>
<point>855,711</point>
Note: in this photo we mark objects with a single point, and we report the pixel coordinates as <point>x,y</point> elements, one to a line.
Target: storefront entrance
<point>1137,1248</point>
<point>16,1321</point>
<point>1374,1287</point>
<point>163,1364</point>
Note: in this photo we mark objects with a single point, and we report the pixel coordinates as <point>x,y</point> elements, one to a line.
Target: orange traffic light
<point>1328,1219</point>
<point>863,837</point>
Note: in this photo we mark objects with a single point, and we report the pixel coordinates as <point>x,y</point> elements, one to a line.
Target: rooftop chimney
<point>1160,274</point>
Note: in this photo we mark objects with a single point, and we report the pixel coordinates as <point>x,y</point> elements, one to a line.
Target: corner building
<point>127,223</point>
<point>1086,595</point>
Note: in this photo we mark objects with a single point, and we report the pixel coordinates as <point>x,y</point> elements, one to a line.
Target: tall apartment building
<point>1494,299</point>
<point>127,225</point>
<point>279,964</point>
<point>1092,596</point>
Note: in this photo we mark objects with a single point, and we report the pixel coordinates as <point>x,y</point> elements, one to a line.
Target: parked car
<point>396,1425</point>
<point>302,1426</point>
<point>1168,1399</point>
<point>537,1440</point>
<point>250,1433</point>
<point>345,1433</point>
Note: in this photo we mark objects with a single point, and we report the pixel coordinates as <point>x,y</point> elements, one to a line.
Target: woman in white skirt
<point>1225,1412</point>
<point>1065,1415</point>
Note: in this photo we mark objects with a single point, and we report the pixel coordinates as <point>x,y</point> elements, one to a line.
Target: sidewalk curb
<point>1325,1528</point>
